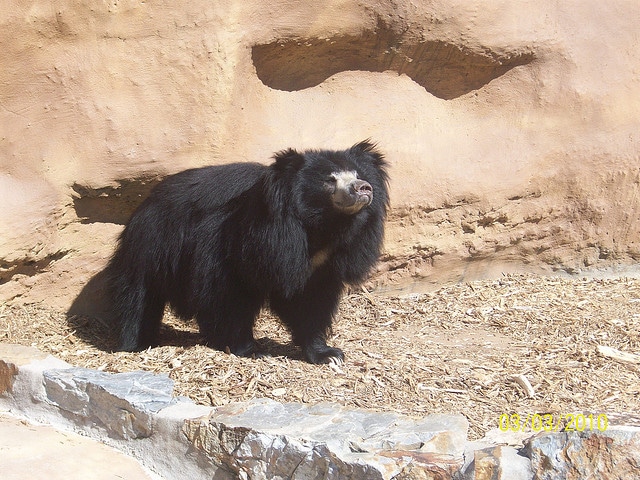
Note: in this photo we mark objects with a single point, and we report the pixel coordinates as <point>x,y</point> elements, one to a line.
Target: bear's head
<point>328,182</point>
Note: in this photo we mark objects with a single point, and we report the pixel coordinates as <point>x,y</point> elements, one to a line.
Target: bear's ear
<point>369,149</point>
<point>288,160</point>
<point>365,146</point>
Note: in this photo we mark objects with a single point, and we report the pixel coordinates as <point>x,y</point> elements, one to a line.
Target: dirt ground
<point>520,344</point>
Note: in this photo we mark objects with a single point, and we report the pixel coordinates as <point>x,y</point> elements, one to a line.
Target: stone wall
<point>511,127</point>
<point>259,439</point>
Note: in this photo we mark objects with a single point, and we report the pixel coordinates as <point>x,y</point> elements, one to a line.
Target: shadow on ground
<point>92,320</point>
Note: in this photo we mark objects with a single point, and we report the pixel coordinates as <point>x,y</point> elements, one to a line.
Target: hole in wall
<point>444,69</point>
<point>111,204</point>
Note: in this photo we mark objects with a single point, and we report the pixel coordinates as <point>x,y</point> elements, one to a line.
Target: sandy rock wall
<point>511,127</point>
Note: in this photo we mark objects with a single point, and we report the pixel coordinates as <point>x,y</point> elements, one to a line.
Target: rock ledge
<point>137,413</point>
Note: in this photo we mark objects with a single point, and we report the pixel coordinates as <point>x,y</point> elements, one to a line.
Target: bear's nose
<point>362,188</point>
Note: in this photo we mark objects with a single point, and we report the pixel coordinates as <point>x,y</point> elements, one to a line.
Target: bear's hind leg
<point>140,315</point>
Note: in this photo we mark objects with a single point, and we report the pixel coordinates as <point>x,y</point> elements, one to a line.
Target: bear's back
<point>207,187</point>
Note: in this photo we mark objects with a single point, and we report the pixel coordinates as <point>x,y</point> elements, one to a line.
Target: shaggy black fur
<point>219,243</point>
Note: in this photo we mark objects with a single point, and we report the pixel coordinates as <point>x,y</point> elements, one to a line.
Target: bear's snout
<point>363,189</point>
<point>353,195</point>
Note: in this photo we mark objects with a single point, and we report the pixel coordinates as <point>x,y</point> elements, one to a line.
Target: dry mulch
<point>521,344</point>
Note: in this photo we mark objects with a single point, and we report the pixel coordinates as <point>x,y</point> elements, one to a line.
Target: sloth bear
<point>218,243</point>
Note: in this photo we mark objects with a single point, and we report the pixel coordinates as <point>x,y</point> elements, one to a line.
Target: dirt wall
<point>511,127</point>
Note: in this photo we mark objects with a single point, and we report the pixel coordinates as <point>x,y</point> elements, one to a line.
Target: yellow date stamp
<point>553,422</point>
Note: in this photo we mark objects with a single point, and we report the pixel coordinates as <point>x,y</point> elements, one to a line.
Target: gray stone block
<point>325,441</point>
<point>121,403</point>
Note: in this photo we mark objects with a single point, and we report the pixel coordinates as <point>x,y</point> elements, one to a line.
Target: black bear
<point>218,243</point>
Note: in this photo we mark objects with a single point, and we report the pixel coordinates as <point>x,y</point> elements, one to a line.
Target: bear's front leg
<point>239,342</point>
<point>228,324</point>
<point>317,351</point>
<point>309,315</point>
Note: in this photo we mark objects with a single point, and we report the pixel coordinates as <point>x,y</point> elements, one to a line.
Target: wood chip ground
<point>521,344</point>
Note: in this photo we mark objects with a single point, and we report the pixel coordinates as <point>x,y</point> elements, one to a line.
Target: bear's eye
<point>330,183</point>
